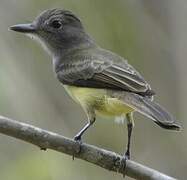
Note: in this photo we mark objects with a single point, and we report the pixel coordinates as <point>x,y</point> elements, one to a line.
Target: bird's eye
<point>56,24</point>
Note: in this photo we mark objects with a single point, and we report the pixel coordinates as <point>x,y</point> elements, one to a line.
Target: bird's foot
<point>127,155</point>
<point>123,162</point>
<point>78,140</point>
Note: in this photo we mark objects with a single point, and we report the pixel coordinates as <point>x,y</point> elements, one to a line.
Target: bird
<point>102,82</point>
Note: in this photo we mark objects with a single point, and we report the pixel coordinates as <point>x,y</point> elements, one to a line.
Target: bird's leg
<point>78,136</point>
<point>130,124</point>
<point>126,156</point>
<point>91,119</point>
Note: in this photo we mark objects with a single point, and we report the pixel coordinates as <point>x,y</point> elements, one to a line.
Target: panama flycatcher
<point>102,82</point>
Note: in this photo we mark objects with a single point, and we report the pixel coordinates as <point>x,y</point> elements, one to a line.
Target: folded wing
<point>103,74</point>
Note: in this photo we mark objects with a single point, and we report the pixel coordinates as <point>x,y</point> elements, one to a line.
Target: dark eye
<point>56,24</point>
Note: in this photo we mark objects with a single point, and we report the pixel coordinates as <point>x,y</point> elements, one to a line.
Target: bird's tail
<point>153,110</point>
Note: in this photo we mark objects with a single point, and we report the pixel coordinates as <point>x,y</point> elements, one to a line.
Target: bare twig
<point>100,157</point>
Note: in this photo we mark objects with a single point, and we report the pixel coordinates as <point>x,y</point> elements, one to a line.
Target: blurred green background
<point>150,34</point>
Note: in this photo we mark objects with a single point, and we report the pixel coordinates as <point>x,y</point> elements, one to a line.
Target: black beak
<point>23,28</point>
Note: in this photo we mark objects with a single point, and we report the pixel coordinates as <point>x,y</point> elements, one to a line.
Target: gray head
<point>59,30</point>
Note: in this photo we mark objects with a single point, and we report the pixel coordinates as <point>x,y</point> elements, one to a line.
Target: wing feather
<point>103,74</point>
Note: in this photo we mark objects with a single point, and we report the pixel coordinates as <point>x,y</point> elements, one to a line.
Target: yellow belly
<point>98,99</point>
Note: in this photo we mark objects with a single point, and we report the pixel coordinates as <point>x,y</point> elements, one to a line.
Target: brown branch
<point>100,157</point>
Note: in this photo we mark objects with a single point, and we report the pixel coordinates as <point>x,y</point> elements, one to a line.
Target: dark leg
<point>91,119</point>
<point>129,129</point>
<point>130,124</point>
<point>78,136</point>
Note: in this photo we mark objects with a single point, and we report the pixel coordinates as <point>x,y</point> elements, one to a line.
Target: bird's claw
<point>123,162</point>
<point>78,140</point>
<point>126,155</point>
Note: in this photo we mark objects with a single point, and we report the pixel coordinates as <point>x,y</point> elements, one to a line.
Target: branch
<point>100,157</point>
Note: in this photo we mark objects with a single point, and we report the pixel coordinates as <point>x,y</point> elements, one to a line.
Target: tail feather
<point>153,110</point>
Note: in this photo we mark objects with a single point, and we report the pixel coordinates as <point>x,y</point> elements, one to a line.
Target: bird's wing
<point>103,74</point>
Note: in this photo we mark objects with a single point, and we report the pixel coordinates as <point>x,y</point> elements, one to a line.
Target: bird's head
<point>57,29</point>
